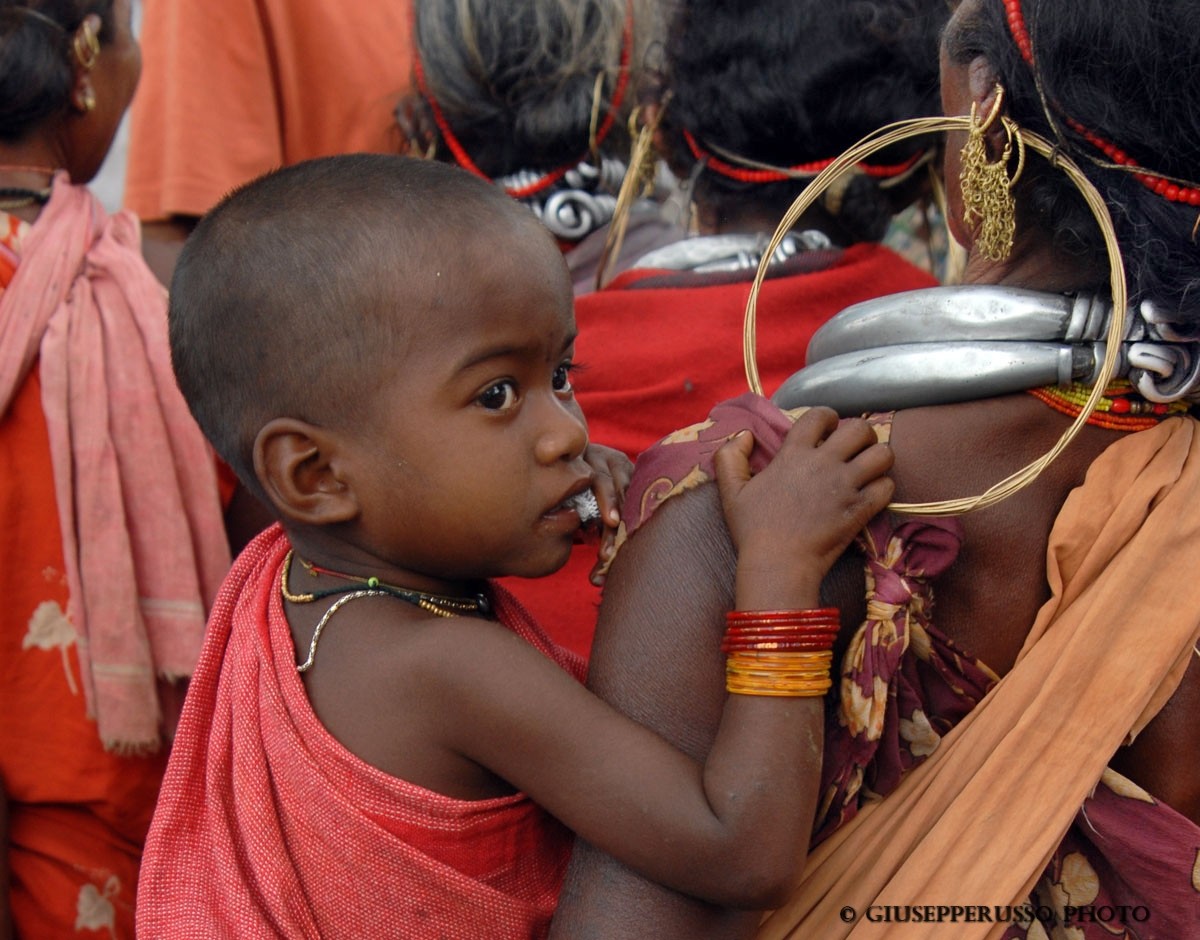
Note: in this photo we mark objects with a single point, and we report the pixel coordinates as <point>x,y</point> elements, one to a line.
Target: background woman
<point>536,96</point>
<point>1031,740</point>
<point>779,83</point>
<point>112,543</point>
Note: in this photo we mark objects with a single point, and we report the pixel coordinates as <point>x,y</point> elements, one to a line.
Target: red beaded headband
<point>463,159</point>
<point>1165,187</point>
<point>747,175</point>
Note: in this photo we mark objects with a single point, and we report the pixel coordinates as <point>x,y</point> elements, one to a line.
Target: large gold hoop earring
<point>903,130</point>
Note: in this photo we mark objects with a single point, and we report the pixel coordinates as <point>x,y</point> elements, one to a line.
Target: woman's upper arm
<point>656,657</point>
<point>656,650</point>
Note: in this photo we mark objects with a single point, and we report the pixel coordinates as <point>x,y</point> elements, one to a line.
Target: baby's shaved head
<point>290,295</point>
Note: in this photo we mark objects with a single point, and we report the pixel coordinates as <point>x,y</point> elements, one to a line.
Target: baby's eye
<point>562,377</point>
<point>498,397</point>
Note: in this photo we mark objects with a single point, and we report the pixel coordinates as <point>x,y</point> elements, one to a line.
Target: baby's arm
<point>727,830</point>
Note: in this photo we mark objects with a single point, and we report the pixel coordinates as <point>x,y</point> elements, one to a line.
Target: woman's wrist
<point>780,653</point>
<point>772,586</point>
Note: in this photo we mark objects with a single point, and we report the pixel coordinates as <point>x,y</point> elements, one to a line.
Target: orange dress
<point>80,314</point>
<point>78,814</point>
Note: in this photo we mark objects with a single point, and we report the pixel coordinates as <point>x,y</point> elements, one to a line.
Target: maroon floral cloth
<point>1128,867</point>
<point>903,683</point>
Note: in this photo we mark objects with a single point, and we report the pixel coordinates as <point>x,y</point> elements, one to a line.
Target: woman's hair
<point>516,80</point>
<point>36,64</point>
<point>1124,72</point>
<point>785,82</point>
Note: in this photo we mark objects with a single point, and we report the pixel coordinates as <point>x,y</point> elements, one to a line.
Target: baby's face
<point>476,441</point>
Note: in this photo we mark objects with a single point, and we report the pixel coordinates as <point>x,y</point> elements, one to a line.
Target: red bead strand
<point>750,175</point>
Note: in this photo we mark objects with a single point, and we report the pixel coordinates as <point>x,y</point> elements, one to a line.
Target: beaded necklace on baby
<point>440,605</point>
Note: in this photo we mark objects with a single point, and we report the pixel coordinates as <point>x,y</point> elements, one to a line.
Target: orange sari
<point>78,814</point>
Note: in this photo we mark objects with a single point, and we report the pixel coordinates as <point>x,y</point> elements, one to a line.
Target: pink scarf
<point>135,482</point>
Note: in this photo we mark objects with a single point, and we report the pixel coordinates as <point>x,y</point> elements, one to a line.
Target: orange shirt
<point>233,88</point>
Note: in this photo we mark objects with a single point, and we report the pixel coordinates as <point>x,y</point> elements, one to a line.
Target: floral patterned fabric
<point>903,683</point>
<point>1128,867</point>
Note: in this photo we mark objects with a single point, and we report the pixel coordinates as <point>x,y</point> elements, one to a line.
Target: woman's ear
<point>85,49</point>
<point>650,115</point>
<point>984,85</point>
<point>416,126</point>
<point>83,95</point>
<point>982,79</point>
<point>298,466</point>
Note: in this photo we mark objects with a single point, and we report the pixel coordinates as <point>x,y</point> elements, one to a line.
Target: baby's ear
<point>297,465</point>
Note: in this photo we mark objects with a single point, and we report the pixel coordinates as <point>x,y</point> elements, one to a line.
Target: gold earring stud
<point>86,45</point>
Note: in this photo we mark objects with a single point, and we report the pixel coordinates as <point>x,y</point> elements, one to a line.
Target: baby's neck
<point>323,564</point>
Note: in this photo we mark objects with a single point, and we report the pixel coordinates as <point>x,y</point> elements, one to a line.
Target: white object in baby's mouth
<point>586,506</point>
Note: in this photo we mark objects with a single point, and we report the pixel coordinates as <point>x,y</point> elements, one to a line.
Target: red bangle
<point>780,633</point>
<point>775,646</point>
<point>800,629</point>
<point>825,639</point>
<point>791,616</point>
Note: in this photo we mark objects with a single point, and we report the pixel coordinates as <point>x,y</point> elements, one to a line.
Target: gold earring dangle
<point>86,45</point>
<point>637,182</point>
<point>986,186</point>
<point>419,152</point>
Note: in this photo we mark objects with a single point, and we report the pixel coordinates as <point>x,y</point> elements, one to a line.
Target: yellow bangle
<point>794,674</point>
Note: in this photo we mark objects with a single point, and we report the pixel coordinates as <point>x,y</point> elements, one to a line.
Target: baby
<point>378,741</point>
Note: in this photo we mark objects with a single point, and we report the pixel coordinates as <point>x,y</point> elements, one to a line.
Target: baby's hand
<point>793,520</point>
<point>611,471</point>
